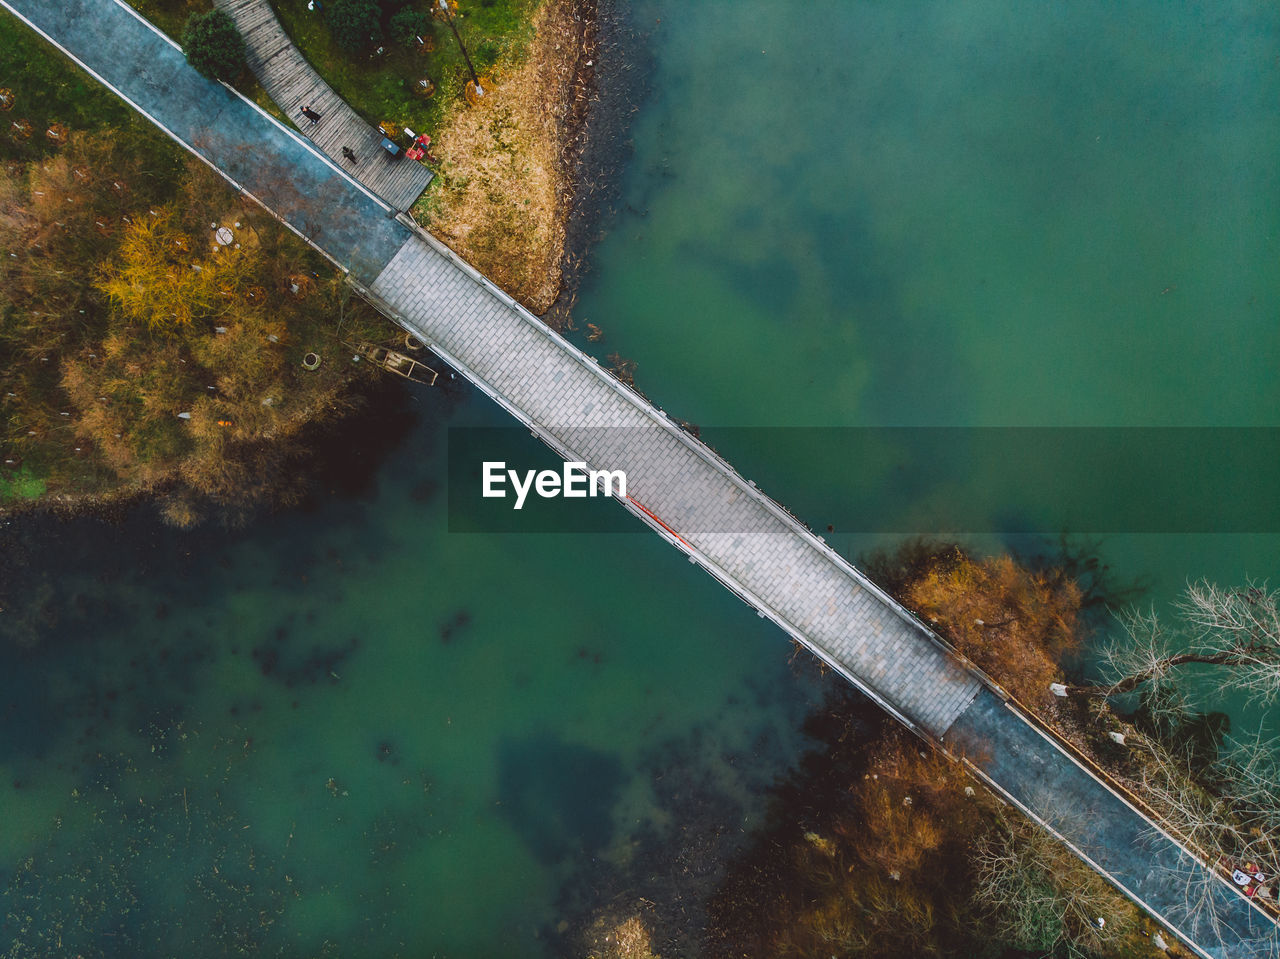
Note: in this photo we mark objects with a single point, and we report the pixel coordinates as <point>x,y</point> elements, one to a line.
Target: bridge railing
<point>661,419</point>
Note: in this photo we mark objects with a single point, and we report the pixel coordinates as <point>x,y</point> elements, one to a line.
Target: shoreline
<point>587,156</point>
<point>600,146</point>
<point>503,191</point>
<point>524,178</point>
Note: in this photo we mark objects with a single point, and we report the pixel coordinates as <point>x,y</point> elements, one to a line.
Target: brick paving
<point>740,536</point>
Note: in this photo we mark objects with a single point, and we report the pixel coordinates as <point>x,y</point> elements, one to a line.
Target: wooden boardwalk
<point>292,83</point>
<point>679,487</point>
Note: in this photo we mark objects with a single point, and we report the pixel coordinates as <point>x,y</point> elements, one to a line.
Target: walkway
<point>1108,833</point>
<point>677,486</point>
<point>261,157</point>
<point>292,83</point>
<point>725,524</point>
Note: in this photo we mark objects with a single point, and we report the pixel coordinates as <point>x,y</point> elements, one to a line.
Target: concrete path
<point>677,486</point>
<point>1102,828</point>
<point>292,83</point>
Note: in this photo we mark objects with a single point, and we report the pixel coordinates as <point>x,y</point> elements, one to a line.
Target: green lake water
<point>350,732</point>
<point>346,731</point>
<point>956,215</point>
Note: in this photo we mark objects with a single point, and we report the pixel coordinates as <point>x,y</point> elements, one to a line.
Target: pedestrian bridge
<point>677,486</point>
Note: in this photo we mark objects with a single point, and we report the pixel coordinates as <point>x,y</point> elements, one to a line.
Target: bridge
<point>677,486</point>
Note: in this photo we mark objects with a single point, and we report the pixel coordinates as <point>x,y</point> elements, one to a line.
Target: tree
<point>213,45</point>
<point>1220,796</point>
<point>161,278</point>
<point>138,352</point>
<point>1234,628</point>
<point>1013,622</point>
<point>355,24</point>
<point>409,24</point>
<point>1040,897</point>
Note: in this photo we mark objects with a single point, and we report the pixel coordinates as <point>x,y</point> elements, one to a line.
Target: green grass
<point>48,88</point>
<point>16,487</point>
<point>382,87</point>
<point>170,15</point>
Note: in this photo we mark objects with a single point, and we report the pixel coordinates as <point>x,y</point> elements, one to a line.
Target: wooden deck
<point>292,83</point>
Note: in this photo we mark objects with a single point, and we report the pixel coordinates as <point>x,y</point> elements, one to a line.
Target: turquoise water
<point>961,214</point>
<point>346,731</point>
<point>954,214</point>
<point>349,732</point>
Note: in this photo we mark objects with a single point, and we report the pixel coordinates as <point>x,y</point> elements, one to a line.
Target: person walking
<point>310,114</point>
<point>348,154</point>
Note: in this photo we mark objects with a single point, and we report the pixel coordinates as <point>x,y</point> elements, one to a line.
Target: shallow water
<point>348,731</point>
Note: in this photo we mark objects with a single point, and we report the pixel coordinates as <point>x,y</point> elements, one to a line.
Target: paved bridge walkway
<point>292,83</point>
<point>677,486</point>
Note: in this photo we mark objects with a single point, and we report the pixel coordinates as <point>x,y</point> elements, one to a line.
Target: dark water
<point>346,731</point>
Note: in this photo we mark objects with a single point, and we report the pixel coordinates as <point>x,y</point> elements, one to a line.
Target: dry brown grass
<point>1013,622</point>
<point>909,802</point>
<point>504,191</point>
<point>627,939</point>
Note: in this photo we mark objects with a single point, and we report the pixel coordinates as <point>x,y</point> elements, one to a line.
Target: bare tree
<point>1040,896</point>
<point>1227,815</point>
<point>1222,799</point>
<point>1234,628</point>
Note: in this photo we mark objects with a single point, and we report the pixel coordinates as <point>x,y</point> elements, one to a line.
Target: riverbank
<point>521,171</point>
<point>162,338</point>
<point>620,85</point>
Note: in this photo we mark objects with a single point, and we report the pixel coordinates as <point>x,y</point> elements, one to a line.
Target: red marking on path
<point>653,516</point>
